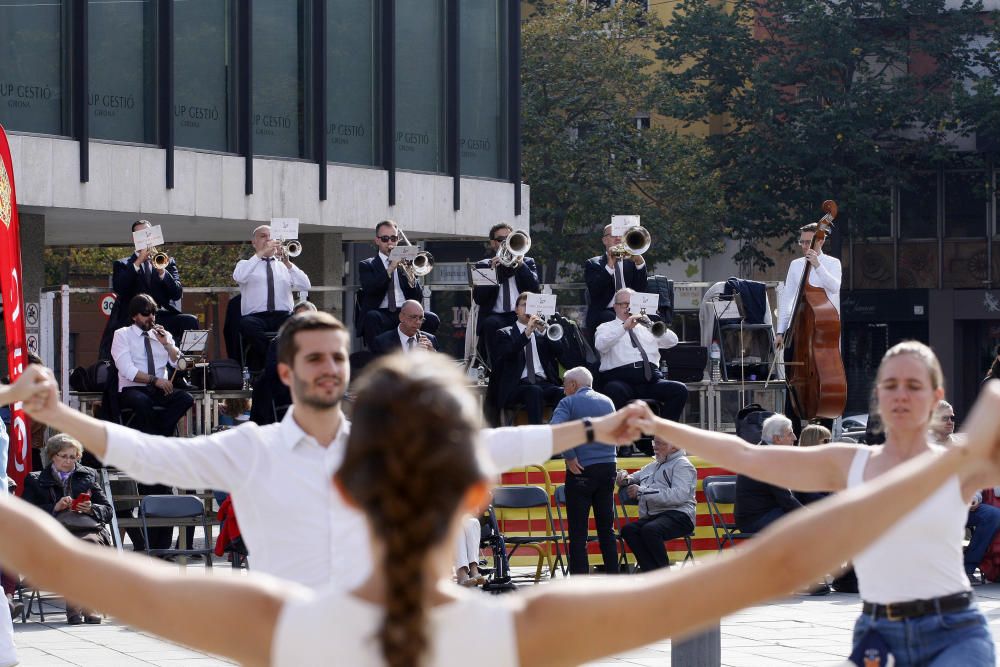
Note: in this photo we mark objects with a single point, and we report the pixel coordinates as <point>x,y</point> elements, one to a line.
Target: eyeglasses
<point>499,239</point>
<point>804,243</point>
<point>147,313</point>
<point>949,418</point>
<point>67,457</point>
<point>388,239</point>
<point>621,303</point>
<point>414,318</point>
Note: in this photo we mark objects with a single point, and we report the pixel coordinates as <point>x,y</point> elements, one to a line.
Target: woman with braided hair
<point>413,468</point>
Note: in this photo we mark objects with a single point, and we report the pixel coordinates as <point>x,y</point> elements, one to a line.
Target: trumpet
<point>656,328</point>
<point>417,267</point>
<point>514,248</point>
<point>292,248</point>
<point>552,330</point>
<point>635,242</point>
<point>158,258</point>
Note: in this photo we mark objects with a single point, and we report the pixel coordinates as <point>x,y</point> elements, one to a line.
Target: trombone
<point>514,248</point>
<point>635,242</point>
<point>417,267</point>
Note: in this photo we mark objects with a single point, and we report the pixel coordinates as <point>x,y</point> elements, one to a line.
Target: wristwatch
<point>588,429</point>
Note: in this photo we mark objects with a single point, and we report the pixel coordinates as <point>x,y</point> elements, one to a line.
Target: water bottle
<point>246,378</point>
<point>715,354</point>
<point>480,376</point>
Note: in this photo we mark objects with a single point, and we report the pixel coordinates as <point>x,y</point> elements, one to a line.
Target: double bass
<point>817,383</point>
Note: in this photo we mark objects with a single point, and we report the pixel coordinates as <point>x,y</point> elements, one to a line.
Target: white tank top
<point>920,557</point>
<point>332,627</point>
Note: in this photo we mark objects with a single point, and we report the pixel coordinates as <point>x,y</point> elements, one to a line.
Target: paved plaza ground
<point>800,630</point>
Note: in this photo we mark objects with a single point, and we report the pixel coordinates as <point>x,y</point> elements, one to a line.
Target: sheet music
<point>194,340</point>
<point>482,275</point>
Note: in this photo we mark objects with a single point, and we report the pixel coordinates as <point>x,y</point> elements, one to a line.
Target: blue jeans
<point>984,521</point>
<point>935,640</point>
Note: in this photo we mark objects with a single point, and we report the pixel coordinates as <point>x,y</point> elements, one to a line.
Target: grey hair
<point>580,375</point>
<point>625,290</point>
<point>57,443</point>
<point>257,229</point>
<point>773,427</point>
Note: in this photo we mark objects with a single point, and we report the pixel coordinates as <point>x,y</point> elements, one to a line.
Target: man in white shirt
<point>630,361</point>
<point>294,523</point>
<point>825,272</point>
<point>266,282</point>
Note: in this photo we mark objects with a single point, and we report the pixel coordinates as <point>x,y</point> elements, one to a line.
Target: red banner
<point>19,458</point>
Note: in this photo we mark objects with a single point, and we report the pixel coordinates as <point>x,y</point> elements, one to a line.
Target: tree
<point>587,75</point>
<point>825,99</point>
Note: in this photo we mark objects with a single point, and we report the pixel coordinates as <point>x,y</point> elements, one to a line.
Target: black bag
<point>664,287</point>
<point>220,374</point>
<point>750,422</point>
<point>92,378</point>
<point>685,362</point>
<point>78,523</point>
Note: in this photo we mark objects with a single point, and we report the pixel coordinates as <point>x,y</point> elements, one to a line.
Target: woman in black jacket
<point>70,492</point>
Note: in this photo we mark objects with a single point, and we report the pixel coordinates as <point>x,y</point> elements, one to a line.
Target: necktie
<point>619,278</point>
<point>150,366</point>
<point>646,370</point>
<point>506,296</point>
<point>147,270</point>
<point>409,344</point>
<point>391,294</point>
<point>270,284</point>
<point>529,363</point>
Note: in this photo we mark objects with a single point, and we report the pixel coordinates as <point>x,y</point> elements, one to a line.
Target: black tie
<point>409,344</point>
<point>506,296</point>
<point>148,271</point>
<point>619,279</point>
<point>391,294</point>
<point>150,366</point>
<point>270,284</point>
<point>529,363</point>
<point>646,370</point>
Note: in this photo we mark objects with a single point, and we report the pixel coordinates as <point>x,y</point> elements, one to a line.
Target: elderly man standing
<point>590,474</point>
<point>664,490</point>
<point>407,336</point>
<point>759,504</point>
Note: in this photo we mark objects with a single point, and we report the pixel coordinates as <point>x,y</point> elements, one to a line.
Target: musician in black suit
<point>525,365</point>
<point>384,288</point>
<point>134,275</point>
<point>605,275</point>
<point>407,336</point>
<point>496,302</point>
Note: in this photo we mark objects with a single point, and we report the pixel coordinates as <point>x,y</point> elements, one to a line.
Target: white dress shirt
<point>512,283</point>
<point>827,276</point>
<point>539,371</point>
<point>251,276</point>
<point>404,340</point>
<point>128,349</point>
<point>394,280</point>
<point>295,524</point>
<point>615,345</point>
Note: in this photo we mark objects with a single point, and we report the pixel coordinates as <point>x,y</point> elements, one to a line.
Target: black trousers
<point>595,489</point>
<point>625,384</point>
<point>142,400</point>
<point>379,320</point>
<point>534,398</point>
<point>254,328</point>
<point>646,537</point>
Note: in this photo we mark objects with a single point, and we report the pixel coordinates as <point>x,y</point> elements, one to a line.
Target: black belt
<point>898,611</point>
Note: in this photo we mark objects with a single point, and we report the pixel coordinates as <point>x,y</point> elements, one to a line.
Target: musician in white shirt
<point>825,273</point>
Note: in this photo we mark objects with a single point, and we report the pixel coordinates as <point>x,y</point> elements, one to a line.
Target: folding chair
<point>624,500</point>
<point>528,498</point>
<point>174,507</point>
<point>721,490</point>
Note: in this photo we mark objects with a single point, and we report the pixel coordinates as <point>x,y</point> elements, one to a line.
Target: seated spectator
<point>758,504</point>
<point>234,411</point>
<point>984,522</point>
<point>407,336</point>
<point>70,492</point>
<point>814,434</point>
<point>665,490</point>
<point>467,553</point>
<point>942,426</point>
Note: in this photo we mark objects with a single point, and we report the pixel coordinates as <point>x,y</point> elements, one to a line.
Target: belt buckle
<point>891,616</point>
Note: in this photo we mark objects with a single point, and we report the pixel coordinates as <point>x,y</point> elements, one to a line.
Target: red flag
<point>19,458</point>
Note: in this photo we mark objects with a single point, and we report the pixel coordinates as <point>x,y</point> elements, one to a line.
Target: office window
<point>918,207</point>
<point>31,71</point>
<point>482,86</point>
<point>277,78</point>
<point>202,73</point>
<point>352,81</point>
<point>420,62</point>
<point>121,63</point>
<point>966,204</point>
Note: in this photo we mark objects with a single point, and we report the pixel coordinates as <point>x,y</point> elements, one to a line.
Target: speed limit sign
<point>107,303</point>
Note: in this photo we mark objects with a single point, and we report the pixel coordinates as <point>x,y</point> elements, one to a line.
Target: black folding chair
<point>721,490</point>
<point>528,498</point>
<point>175,507</point>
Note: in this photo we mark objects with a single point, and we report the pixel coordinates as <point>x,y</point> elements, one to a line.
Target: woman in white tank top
<point>912,580</point>
<point>413,467</point>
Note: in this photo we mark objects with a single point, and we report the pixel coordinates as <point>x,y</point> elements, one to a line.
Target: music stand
<point>478,276</point>
<point>193,347</point>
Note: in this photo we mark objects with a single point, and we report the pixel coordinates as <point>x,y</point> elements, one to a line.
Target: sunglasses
<point>499,239</point>
<point>147,313</point>
<point>949,418</point>
<point>388,239</point>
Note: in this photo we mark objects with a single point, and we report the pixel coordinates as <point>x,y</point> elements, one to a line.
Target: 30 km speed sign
<point>107,303</point>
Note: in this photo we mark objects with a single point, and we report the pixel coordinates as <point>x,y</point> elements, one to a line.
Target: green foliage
<point>586,75</point>
<point>827,99</point>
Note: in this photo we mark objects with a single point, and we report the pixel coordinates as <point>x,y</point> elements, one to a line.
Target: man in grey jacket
<point>665,490</point>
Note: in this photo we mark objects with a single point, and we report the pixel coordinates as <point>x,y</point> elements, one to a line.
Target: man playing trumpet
<point>608,273</point>
<point>496,302</point>
<point>407,336</point>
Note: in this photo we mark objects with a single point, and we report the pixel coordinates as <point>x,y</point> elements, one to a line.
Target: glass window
<point>918,207</point>
<point>31,72</point>
<point>420,62</point>
<point>202,52</point>
<point>966,204</point>
<point>352,81</point>
<point>122,78</point>
<point>481,84</point>
<point>277,78</point>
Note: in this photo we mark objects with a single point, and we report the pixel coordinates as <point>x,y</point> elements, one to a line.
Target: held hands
<point>619,428</point>
<point>33,379</point>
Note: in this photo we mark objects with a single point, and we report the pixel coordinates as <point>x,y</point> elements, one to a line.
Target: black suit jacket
<point>525,277</point>
<point>508,360</point>
<point>388,342</point>
<point>375,281</point>
<point>127,282</point>
<point>601,284</point>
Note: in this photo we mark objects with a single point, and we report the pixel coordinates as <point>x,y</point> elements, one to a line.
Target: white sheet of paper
<point>479,275</point>
<point>150,237</point>
<point>726,309</point>
<point>284,229</point>
<point>404,252</point>
<point>541,304</point>
<point>643,301</point>
<point>620,223</point>
<point>194,340</point>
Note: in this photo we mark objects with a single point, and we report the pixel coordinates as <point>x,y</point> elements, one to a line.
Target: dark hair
<point>811,227</point>
<point>385,222</point>
<point>315,320</point>
<point>410,459</point>
<point>499,226</point>
<point>141,303</point>
<point>141,222</point>
<point>523,296</point>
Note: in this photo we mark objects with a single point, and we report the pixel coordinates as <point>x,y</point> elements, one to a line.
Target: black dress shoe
<point>92,619</point>
<point>75,619</point>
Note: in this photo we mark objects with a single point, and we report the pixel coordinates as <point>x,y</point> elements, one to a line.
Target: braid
<point>409,461</point>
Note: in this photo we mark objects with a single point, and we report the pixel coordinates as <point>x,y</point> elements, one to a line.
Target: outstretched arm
<point>33,379</point>
<point>142,592</point>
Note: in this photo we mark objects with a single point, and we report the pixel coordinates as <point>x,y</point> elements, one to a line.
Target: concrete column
<point>32,254</point>
<point>322,259</point>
